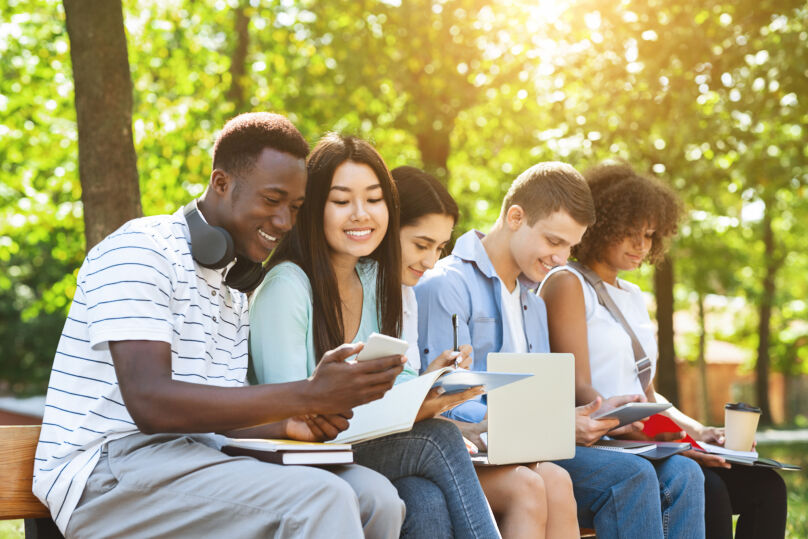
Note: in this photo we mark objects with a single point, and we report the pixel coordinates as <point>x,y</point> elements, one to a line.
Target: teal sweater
<point>281,313</point>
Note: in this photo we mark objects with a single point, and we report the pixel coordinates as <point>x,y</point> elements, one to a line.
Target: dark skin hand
<point>313,409</point>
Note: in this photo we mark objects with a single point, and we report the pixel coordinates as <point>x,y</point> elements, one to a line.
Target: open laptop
<point>533,419</point>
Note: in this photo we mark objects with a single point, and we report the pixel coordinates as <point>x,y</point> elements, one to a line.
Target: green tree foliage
<point>708,96</point>
<point>41,240</point>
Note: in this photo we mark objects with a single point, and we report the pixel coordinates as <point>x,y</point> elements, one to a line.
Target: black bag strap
<point>642,364</point>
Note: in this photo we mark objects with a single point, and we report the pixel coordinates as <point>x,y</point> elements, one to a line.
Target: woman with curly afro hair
<point>636,217</point>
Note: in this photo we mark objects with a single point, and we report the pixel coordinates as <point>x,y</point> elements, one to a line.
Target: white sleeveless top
<point>611,358</point>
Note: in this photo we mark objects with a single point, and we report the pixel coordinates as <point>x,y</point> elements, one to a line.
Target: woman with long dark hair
<point>337,274</point>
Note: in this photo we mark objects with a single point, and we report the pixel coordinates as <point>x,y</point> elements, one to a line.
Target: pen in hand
<point>454,339</point>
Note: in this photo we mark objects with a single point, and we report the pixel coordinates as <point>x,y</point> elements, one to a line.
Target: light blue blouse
<point>281,327</point>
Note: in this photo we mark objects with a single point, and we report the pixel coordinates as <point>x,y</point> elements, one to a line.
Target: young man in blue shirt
<point>487,282</point>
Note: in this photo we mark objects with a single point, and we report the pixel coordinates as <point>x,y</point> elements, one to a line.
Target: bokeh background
<point>710,96</point>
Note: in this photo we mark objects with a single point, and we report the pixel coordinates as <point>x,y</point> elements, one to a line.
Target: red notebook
<point>658,423</point>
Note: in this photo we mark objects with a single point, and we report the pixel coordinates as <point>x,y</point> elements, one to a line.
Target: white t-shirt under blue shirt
<point>512,317</point>
<point>139,283</point>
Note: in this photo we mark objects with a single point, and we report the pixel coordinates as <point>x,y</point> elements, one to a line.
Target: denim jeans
<point>626,496</point>
<point>433,450</point>
<point>681,490</point>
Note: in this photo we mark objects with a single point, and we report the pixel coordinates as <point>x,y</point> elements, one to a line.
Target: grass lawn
<point>797,483</point>
<point>11,529</point>
<point>793,453</point>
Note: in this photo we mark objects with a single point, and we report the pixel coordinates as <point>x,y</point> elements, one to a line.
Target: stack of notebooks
<point>288,451</point>
<point>648,450</point>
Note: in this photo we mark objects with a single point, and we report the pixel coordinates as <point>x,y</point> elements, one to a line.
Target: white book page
<point>265,444</point>
<point>718,450</point>
<point>395,412</point>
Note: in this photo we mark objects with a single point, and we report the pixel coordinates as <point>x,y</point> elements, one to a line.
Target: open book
<point>745,458</point>
<point>287,451</point>
<point>397,410</point>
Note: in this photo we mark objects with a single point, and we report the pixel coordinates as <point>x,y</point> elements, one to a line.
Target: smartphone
<point>379,345</point>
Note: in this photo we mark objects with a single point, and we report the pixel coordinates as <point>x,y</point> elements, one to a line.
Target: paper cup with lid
<point>740,424</point>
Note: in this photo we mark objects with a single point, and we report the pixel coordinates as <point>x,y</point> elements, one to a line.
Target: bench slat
<point>17,449</point>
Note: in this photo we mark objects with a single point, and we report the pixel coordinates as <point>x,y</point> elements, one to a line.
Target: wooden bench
<point>17,449</point>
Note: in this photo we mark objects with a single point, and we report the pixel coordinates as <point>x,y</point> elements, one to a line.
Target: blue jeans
<point>427,513</point>
<point>626,496</point>
<point>681,491</point>
<point>433,450</point>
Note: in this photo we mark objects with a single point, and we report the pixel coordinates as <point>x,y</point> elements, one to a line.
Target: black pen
<point>454,338</point>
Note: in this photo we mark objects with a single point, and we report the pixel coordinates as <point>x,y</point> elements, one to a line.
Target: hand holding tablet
<point>632,411</point>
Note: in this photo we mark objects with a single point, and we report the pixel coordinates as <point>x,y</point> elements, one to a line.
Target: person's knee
<point>439,430</point>
<point>774,486</point>
<point>640,474</point>
<point>527,492</point>
<point>686,475</point>
<point>692,472</point>
<point>557,481</point>
<point>335,494</point>
<point>379,499</point>
<point>389,506</point>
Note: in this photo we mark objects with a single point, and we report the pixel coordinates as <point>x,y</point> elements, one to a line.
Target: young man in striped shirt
<point>154,352</point>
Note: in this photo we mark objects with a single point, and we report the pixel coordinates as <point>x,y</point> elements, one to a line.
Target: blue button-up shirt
<point>466,284</point>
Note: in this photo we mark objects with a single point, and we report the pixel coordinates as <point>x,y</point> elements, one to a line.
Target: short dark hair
<point>243,138</point>
<point>625,202</point>
<point>548,187</point>
<point>306,244</point>
<point>421,194</point>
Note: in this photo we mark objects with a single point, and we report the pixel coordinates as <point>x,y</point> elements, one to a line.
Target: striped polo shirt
<point>139,283</point>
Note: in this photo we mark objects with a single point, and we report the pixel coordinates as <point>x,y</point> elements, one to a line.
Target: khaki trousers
<point>174,485</point>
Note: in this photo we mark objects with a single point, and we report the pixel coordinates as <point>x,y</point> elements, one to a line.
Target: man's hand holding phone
<point>337,386</point>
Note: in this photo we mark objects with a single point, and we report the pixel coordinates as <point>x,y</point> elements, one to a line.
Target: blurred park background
<point>710,96</point>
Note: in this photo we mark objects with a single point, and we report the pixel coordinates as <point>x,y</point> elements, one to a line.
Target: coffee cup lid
<point>742,407</point>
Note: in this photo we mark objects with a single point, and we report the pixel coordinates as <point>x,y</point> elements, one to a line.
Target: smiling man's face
<point>264,201</point>
<point>547,243</point>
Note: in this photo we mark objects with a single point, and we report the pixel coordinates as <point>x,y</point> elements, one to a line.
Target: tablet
<point>633,411</point>
<point>379,345</point>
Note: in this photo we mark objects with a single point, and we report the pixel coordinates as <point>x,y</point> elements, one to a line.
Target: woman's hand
<point>447,359</point>
<point>472,432</point>
<point>707,459</point>
<point>711,435</point>
<point>438,401</point>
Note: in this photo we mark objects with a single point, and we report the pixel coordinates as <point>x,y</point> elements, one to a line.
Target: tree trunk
<point>667,383</point>
<point>702,362</point>
<point>110,191</point>
<point>434,147</point>
<point>236,93</point>
<point>764,321</point>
